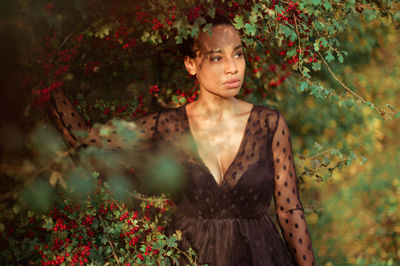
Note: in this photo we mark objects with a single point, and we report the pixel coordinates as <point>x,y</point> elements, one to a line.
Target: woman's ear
<point>190,64</point>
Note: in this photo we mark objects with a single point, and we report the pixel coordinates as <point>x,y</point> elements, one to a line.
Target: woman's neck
<point>214,108</point>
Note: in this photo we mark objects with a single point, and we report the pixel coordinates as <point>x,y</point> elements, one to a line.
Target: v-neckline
<point>200,159</point>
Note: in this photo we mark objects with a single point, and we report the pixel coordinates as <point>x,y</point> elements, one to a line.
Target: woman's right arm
<point>115,134</point>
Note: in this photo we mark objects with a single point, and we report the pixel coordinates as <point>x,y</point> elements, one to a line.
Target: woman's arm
<point>289,209</point>
<point>115,134</point>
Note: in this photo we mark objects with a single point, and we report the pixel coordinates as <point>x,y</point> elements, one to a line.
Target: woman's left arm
<point>289,209</point>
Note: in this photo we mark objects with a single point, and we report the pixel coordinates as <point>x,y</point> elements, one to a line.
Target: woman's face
<point>219,65</point>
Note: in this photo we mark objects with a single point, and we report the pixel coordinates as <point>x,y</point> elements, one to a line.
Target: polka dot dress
<point>225,224</point>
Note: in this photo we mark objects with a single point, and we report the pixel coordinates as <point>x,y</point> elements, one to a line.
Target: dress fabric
<point>228,224</point>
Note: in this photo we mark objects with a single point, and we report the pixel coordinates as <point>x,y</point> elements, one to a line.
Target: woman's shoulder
<point>268,116</point>
<point>266,111</point>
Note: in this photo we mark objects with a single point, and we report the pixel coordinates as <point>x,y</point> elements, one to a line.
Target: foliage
<point>286,41</point>
<point>121,59</point>
<point>359,222</point>
<point>93,228</point>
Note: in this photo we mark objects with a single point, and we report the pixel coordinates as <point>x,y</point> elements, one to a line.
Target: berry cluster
<point>75,234</point>
<point>154,89</point>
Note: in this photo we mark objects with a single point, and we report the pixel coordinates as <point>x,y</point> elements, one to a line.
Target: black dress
<point>228,224</point>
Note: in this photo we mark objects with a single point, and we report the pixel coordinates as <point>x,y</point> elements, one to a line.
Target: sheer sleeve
<point>115,134</point>
<point>289,209</point>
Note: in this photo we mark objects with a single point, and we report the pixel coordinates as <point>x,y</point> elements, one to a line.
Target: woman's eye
<point>215,58</point>
<point>238,54</point>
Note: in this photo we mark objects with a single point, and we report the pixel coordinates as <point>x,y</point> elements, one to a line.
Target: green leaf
<point>47,142</point>
<point>207,28</point>
<point>211,12</point>
<point>303,86</point>
<point>238,22</point>
<point>396,16</point>
<point>120,188</point>
<point>175,260</point>
<point>171,242</point>
<point>326,160</point>
<point>306,72</point>
<point>323,42</point>
<point>250,29</point>
<point>182,100</point>
<point>48,223</point>
<point>327,5</point>
<point>39,195</point>
<point>315,89</point>
<point>253,18</point>
<point>80,96</point>
<point>108,250</point>
<point>363,161</point>
<point>316,46</point>
<point>389,106</point>
<point>318,146</point>
<point>336,152</point>
<point>329,56</point>
<point>340,57</point>
<point>195,30</point>
<point>316,66</point>
<point>370,14</point>
<point>316,2</point>
<point>172,174</point>
<point>370,105</point>
<point>289,33</point>
<point>292,52</point>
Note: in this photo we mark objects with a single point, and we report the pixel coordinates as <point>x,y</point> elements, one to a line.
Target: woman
<point>243,157</point>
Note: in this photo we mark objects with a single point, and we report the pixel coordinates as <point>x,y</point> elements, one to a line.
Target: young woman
<point>242,159</point>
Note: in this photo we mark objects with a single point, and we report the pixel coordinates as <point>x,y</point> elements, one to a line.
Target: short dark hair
<point>187,46</point>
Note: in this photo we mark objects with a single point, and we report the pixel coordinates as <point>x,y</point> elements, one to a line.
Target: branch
<point>65,41</point>
<point>109,241</point>
<point>300,64</point>
<point>319,154</point>
<point>340,82</point>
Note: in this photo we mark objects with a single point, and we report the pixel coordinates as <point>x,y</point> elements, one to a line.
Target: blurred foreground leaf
<point>79,182</point>
<point>120,187</point>
<point>47,142</point>
<point>164,173</point>
<point>38,196</point>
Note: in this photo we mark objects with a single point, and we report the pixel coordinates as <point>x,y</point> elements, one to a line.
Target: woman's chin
<point>230,92</point>
<point>224,92</point>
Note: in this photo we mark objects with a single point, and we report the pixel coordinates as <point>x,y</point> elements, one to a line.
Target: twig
<point>186,255</point>
<point>319,154</point>
<point>109,241</point>
<point>300,64</point>
<point>65,40</point>
<point>144,199</point>
<point>357,5</point>
<point>340,82</point>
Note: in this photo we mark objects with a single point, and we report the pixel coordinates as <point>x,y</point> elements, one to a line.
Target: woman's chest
<point>218,142</point>
<point>218,146</point>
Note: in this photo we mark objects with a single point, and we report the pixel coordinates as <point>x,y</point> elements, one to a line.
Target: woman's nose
<point>230,66</point>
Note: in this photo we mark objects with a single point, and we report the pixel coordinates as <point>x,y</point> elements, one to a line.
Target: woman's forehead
<point>223,37</point>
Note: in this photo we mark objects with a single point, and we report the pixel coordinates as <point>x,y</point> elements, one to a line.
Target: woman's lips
<point>232,83</point>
